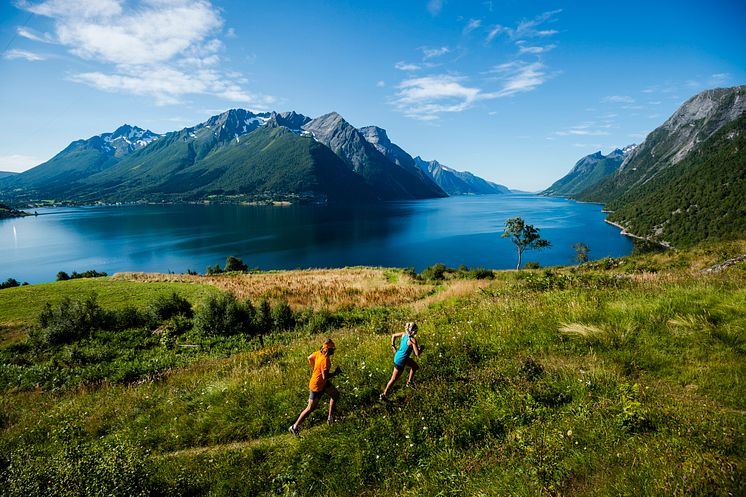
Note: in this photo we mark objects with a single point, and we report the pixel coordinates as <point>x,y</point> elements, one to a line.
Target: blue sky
<point>514,91</point>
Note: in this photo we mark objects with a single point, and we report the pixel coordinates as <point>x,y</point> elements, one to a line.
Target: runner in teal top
<point>401,355</point>
<point>407,345</point>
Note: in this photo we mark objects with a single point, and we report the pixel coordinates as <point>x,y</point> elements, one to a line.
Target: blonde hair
<point>411,328</point>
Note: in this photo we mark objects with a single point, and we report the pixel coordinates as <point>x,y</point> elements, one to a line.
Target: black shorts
<point>317,395</point>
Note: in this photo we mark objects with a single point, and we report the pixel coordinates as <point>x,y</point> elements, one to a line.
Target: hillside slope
<point>702,198</point>
<point>618,377</point>
<point>588,172</point>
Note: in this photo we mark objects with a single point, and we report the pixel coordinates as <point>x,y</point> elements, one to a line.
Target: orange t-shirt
<point>321,363</point>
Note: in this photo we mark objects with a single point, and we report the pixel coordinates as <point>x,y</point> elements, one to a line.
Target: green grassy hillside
<point>619,377</point>
<point>702,198</point>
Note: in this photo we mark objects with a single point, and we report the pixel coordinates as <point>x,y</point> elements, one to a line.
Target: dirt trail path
<point>247,444</point>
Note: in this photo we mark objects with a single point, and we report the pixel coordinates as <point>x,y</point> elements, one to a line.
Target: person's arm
<point>415,348</point>
<point>310,360</point>
<point>393,339</point>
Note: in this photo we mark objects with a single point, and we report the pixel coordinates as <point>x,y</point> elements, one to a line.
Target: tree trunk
<point>520,253</point>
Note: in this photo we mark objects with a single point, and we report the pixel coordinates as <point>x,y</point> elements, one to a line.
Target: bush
<point>234,264</point>
<point>126,318</point>
<point>62,276</point>
<point>166,306</point>
<point>263,319</point>
<point>9,283</point>
<point>222,315</point>
<point>319,321</point>
<point>532,265</point>
<point>481,274</point>
<point>87,274</point>
<point>70,320</point>
<point>435,272</point>
<point>282,316</point>
<point>212,270</point>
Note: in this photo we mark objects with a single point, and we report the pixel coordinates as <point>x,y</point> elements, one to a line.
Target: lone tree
<point>524,237</point>
<point>581,252</point>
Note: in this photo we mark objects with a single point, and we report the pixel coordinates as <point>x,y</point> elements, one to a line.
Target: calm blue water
<point>162,238</point>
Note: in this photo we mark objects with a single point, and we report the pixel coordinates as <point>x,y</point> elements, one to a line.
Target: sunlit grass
<point>591,388</point>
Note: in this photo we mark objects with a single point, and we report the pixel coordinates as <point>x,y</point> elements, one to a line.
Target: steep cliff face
<point>686,182</point>
<point>698,119</point>
<point>392,181</point>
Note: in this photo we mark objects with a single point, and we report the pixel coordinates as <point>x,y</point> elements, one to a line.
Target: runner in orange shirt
<point>319,384</point>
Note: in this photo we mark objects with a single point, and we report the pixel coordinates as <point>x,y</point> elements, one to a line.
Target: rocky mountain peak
<point>375,135</point>
<point>291,120</point>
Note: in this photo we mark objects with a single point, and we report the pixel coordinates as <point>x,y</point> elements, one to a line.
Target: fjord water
<point>162,238</point>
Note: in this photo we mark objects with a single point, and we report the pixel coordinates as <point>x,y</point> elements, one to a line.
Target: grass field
<point>621,377</point>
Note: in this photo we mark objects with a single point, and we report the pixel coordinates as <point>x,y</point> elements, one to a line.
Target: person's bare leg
<point>394,376</point>
<point>412,368</point>
<point>333,396</point>
<point>308,410</point>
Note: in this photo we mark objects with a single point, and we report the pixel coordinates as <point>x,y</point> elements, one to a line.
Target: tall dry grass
<point>331,289</point>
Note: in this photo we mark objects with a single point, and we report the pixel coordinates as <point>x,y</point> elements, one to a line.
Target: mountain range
<point>685,183</point>
<point>589,171</point>
<point>237,155</point>
<point>458,182</point>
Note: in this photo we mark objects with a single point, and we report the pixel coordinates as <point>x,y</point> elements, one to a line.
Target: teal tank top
<point>404,351</point>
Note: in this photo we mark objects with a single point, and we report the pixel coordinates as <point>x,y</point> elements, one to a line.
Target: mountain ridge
<point>219,158</point>
<point>456,182</point>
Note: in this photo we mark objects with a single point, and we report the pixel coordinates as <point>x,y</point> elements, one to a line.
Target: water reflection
<point>457,230</point>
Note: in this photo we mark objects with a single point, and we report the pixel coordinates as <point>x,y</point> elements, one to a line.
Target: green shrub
<point>436,272</point>
<point>532,265</point>
<point>319,321</point>
<point>234,264</point>
<point>283,317</point>
<point>70,320</point>
<point>481,274</point>
<point>125,318</point>
<point>9,283</point>
<point>167,306</point>
<point>222,315</point>
<point>62,276</point>
<point>212,270</point>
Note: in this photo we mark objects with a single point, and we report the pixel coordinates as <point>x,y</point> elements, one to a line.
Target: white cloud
<point>472,25</point>
<point>163,48</point>
<point>618,99</point>
<point>523,49</point>
<point>427,97</point>
<point>33,36</point>
<point>17,163</point>
<point>429,53</point>
<point>435,6</point>
<point>381,84</point>
<point>406,66</point>
<point>23,54</point>
<point>496,30</point>
<point>583,129</point>
<point>526,28</point>
<point>719,78</point>
<point>518,76</point>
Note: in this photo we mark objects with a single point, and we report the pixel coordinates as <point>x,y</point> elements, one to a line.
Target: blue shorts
<point>400,367</point>
<point>317,395</point>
